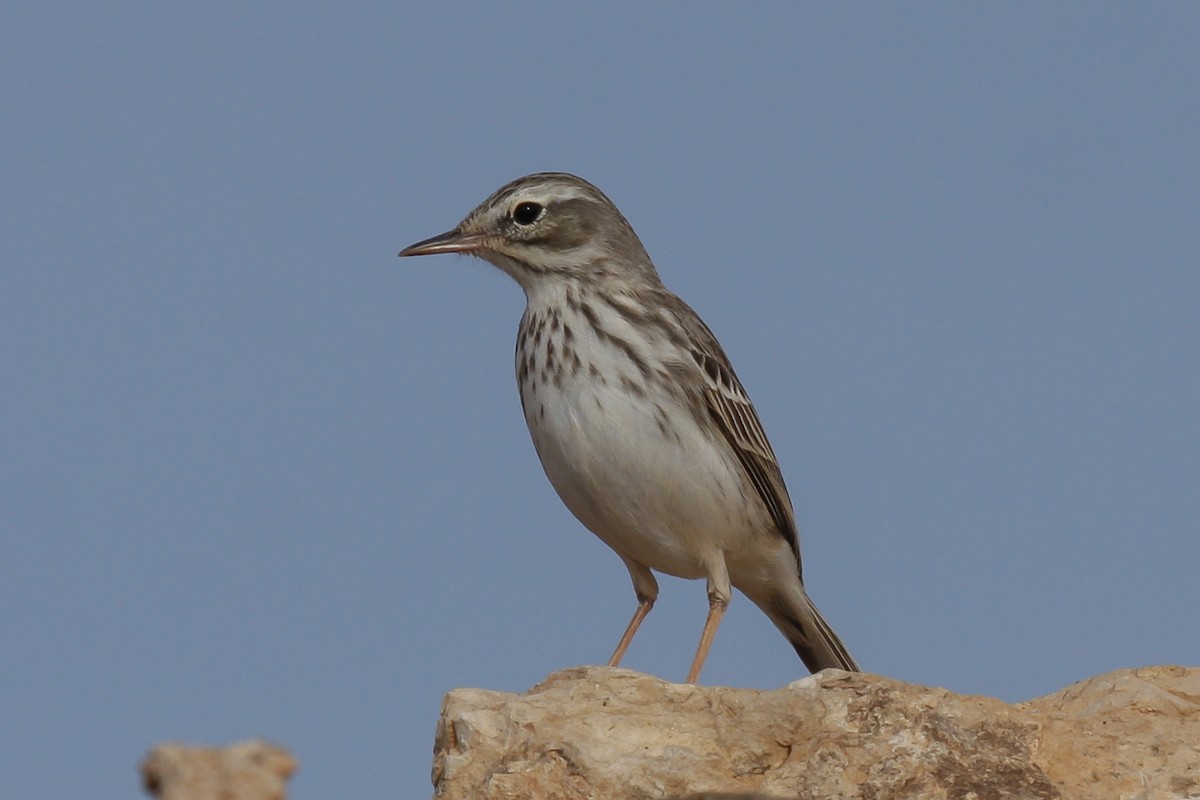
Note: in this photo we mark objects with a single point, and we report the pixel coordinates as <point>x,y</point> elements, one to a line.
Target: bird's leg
<point>646,589</point>
<point>717,603</point>
<point>644,606</point>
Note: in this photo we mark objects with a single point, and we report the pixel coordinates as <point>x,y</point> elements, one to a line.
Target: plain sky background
<point>262,478</point>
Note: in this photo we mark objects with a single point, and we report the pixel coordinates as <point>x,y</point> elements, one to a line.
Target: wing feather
<point>728,405</point>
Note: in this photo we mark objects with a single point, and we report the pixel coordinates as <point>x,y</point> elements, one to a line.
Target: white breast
<point>632,465</point>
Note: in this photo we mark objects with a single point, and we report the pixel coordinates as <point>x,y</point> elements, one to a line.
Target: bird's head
<point>545,227</point>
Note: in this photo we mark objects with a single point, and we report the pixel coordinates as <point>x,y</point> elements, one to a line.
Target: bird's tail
<point>800,621</point>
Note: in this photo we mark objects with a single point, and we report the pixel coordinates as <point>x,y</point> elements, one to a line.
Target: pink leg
<point>716,610</point>
<point>644,606</point>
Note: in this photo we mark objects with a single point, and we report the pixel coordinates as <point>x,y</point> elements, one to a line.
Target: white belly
<point>642,479</point>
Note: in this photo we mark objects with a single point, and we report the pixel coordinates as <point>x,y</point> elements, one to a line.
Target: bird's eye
<point>527,213</point>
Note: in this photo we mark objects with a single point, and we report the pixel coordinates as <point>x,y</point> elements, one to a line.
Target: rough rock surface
<point>252,770</point>
<point>602,733</point>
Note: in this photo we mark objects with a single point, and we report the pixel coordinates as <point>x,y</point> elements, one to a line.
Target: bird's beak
<point>454,241</point>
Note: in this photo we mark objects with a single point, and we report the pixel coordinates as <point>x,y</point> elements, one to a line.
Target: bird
<point>638,419</point>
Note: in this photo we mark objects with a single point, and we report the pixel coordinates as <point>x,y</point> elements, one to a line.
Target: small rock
<point>253,770</point>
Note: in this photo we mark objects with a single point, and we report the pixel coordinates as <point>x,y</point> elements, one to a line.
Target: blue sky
<point>262,478</point>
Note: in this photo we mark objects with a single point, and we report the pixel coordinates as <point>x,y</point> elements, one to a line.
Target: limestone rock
<point>252,770</point>
<point>602,733</point>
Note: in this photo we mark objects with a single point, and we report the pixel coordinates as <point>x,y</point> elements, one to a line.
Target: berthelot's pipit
<point>637,416</point>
